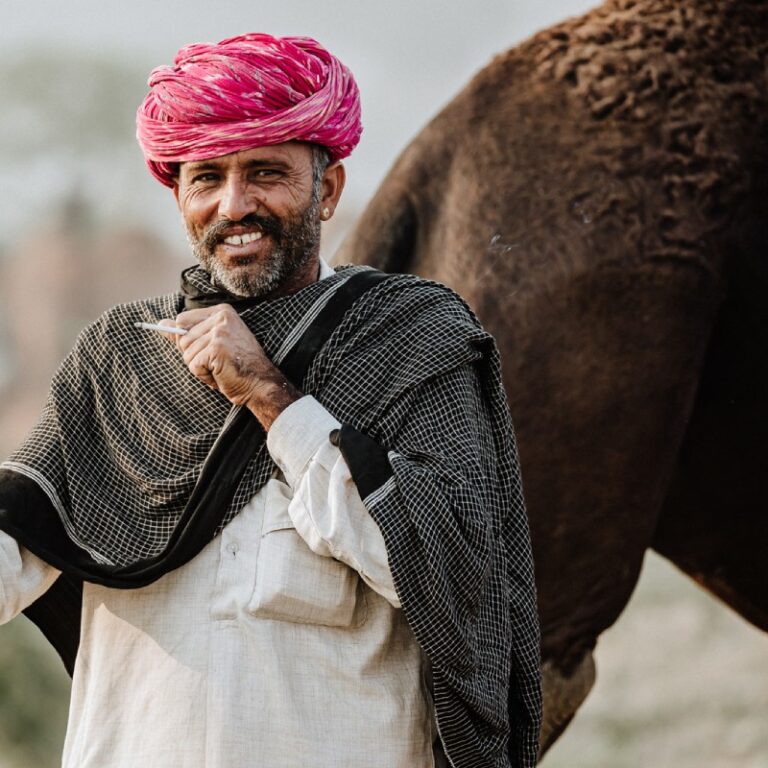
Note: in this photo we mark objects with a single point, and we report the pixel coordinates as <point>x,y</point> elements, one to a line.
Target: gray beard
<point>295,243</point>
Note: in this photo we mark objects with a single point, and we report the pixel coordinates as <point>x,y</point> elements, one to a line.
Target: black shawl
<point>130,448</point>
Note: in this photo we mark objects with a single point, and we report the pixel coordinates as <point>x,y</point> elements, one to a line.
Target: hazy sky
<point>409,56</point>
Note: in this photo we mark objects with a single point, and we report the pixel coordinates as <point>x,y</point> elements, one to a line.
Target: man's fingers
<point>221,352</point>
<point>200,322</point>
<point>195,332</point>
<point>190,348</point>
<point>199,366</point>
<point>167,322</point>
<point>193,317</point>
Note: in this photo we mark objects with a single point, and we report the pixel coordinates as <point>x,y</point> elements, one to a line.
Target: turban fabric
<point>244,92</point>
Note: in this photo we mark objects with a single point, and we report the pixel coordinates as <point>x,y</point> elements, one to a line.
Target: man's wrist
<point>271,398</point>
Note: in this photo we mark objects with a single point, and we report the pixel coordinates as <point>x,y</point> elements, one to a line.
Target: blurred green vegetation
<point>34,698</point>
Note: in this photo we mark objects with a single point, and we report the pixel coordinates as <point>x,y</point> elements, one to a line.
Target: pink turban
<point>246,92</point>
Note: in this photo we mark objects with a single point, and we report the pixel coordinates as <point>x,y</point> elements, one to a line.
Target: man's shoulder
<point>407,318</point>
<point>115,326</point>
<point>403,294</point>
<point>147,310</point>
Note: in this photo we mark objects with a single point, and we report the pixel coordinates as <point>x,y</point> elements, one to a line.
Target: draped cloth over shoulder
<point>128,430</point>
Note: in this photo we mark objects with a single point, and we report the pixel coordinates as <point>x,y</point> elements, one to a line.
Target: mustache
<point>269,225</point>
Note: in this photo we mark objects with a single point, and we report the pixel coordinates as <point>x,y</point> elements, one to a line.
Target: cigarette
<point>161,328</point>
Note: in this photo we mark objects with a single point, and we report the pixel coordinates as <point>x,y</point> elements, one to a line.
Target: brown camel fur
<point>598,195</point>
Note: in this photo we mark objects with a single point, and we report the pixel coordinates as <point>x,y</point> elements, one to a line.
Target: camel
<point>598,196</point>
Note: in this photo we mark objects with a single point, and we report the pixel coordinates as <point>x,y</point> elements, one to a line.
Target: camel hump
<point>633,125</point>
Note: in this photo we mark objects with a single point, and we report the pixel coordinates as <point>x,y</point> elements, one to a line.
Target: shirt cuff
<point>297,434</point>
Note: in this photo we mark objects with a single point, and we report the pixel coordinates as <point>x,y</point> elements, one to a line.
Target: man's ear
<point>332,186</point>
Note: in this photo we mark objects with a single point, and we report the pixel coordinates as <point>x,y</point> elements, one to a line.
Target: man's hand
<point>220,351</point>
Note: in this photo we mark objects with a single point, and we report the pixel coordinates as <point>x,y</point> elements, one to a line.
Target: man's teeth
<point>248,237</point>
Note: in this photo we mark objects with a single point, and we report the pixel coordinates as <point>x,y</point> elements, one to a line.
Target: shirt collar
<point>325,270</point>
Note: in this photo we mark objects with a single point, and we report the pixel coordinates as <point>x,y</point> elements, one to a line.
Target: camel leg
<point>563,695</point>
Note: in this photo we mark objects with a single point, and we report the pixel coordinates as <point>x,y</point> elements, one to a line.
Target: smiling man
<point>289,531</point>
<point>229,234</point>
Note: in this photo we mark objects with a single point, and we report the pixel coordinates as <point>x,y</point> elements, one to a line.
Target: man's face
<point>253,217</point>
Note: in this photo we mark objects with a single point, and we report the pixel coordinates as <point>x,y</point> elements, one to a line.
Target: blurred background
<point>682,681</point>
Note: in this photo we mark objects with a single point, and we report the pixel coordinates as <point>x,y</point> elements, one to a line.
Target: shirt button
<point>232,548</point>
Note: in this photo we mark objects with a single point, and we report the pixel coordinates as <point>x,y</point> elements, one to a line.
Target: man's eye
<point>204,178</point>
<point>266,173</point>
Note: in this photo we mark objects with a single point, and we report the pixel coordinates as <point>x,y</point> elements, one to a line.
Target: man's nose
<point>236,200</point>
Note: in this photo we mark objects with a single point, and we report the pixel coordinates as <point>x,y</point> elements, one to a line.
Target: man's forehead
<point>287,153</point>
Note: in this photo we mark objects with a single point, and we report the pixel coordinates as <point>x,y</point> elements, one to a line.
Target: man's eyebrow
<point>272,162</point>
<point>201,165</point>
<point>212,165</point>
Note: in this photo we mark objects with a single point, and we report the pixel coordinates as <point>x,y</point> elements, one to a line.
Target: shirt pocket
<point>295,584</point>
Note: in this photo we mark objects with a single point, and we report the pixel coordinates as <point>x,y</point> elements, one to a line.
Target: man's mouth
<point>244,239</point>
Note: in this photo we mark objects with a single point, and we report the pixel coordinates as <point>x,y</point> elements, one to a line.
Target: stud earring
<point>326,214</point>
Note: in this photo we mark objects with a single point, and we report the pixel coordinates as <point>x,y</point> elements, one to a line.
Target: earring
<point>326,214</point>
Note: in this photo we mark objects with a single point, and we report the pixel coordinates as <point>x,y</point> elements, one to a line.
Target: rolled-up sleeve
<point>326,507</point>
<point>23,578</point>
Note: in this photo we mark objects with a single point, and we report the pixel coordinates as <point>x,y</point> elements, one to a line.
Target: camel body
<point>598,195</point>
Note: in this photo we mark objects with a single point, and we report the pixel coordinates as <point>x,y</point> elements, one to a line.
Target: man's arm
<point>23,578</point>
<point>326,507</point>
<point>433,493</point>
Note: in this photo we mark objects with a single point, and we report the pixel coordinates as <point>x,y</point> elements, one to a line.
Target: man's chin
<point>244,282</point>
<point>241,284</point>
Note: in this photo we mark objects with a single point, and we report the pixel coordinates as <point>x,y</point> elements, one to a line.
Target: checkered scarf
<point>127,429</point>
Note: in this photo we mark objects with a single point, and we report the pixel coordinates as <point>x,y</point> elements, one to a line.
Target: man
<point>354,590</point>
